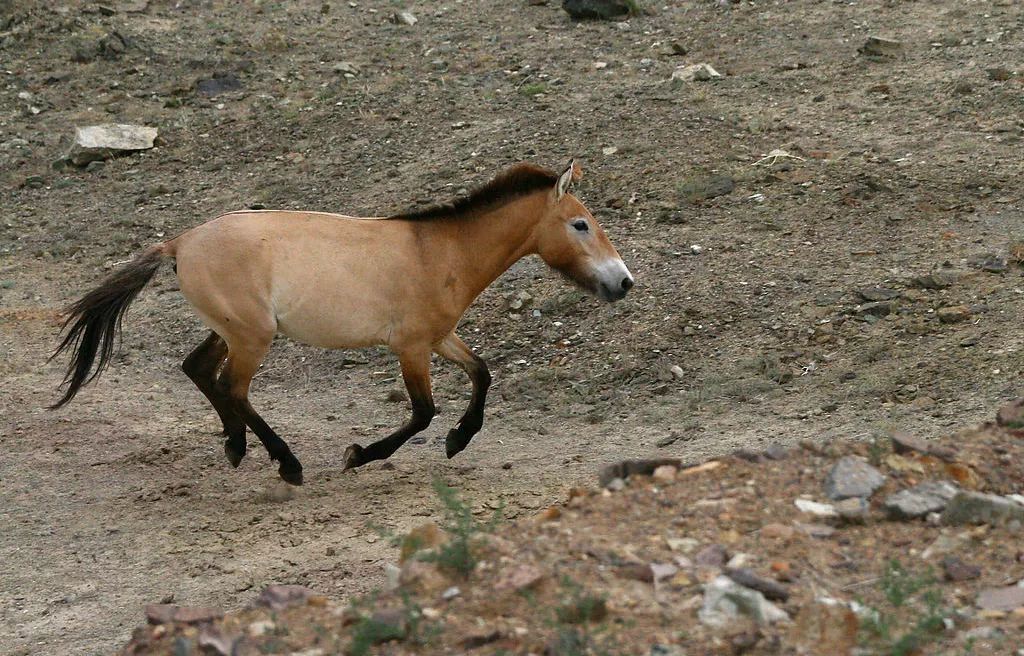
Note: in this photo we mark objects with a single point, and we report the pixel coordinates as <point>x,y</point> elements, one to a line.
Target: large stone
<point>936,280</point>
<point>99,142</point>
<point>850,478</point>
<point>978,508</point>
<point>955,569</point>
<point>627,468</point>
<point>695,73</point>
<point>725,601</point>
<point>879,47</point>
<point>218,84</point>
<point>701,188</point>
<point>404,18</point>
<point>878,293</point>
<point>953,313</point>
<point>1009,598</point>
<point>904,443</point>
<point>876,309</point>
<point>918,501</point>
<point>815,508</point>
<point>596,9</point>
<point>713,555</point>
<point>748,579</point>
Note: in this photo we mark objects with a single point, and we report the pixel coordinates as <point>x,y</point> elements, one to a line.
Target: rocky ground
<point>825,229</point>
<point>902,546</point>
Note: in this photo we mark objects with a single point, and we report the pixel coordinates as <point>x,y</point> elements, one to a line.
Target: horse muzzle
<point>613,280</point>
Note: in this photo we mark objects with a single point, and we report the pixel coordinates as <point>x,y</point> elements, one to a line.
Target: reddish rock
<point>551,514</point>
<point>782,570</point>
<point>519,578</point>
<point>825,627</point>
<point>777,532</point>
<point>424,537</point>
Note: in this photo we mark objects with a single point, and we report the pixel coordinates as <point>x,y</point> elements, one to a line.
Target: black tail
<point>95,320</point>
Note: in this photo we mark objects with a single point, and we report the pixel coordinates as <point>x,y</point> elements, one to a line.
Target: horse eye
<point>581,225</point>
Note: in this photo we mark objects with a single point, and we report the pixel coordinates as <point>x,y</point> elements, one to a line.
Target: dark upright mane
<point>518,181</point>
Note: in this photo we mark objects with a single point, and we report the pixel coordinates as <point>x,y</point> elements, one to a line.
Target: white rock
<point>346,67</point>
<point>682,545</point>
<point>260,627</point>
<point>815,508</point>
<point>725,601</point>
<point>99,142</point>
<point>695,73</point>
<point>405,18</point>
<point>739,560</point>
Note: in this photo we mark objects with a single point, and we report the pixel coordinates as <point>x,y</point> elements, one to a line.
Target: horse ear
<point>571,174</point>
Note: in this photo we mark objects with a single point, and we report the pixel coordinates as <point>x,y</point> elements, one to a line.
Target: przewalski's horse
<point>344,282</point>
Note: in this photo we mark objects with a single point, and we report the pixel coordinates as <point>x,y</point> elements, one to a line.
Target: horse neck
<point>489,244</point>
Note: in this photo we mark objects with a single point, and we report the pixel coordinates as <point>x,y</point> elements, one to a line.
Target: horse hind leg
<point>201,367</point>
<point>242,362</point>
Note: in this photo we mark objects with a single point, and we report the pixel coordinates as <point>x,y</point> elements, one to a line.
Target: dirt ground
<point>898,167</point>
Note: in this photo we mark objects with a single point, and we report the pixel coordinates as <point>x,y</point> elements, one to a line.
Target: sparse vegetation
<point>533,88</point>
<point>577,623</point>
<point>457,554</point>
<point>878,447</point>
<point>635,8</point>
<point>913,617</point>
<point>407,624</point>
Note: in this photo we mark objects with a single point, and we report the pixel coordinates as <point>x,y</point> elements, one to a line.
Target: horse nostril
<point>627,284</point>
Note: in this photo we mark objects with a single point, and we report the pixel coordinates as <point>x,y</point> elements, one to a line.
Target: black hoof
<point>292,475</point>
<point>353,457</point>
<point>234,454</point>
<point>455,443</point>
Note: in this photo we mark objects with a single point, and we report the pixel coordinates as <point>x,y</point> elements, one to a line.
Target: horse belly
<point>334,326</point>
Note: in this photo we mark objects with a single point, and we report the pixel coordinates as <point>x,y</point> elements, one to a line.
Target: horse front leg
<point>416,373</point>
<point>455,350</point>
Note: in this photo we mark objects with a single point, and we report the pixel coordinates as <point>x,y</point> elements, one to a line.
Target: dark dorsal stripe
<point>518,181</point>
